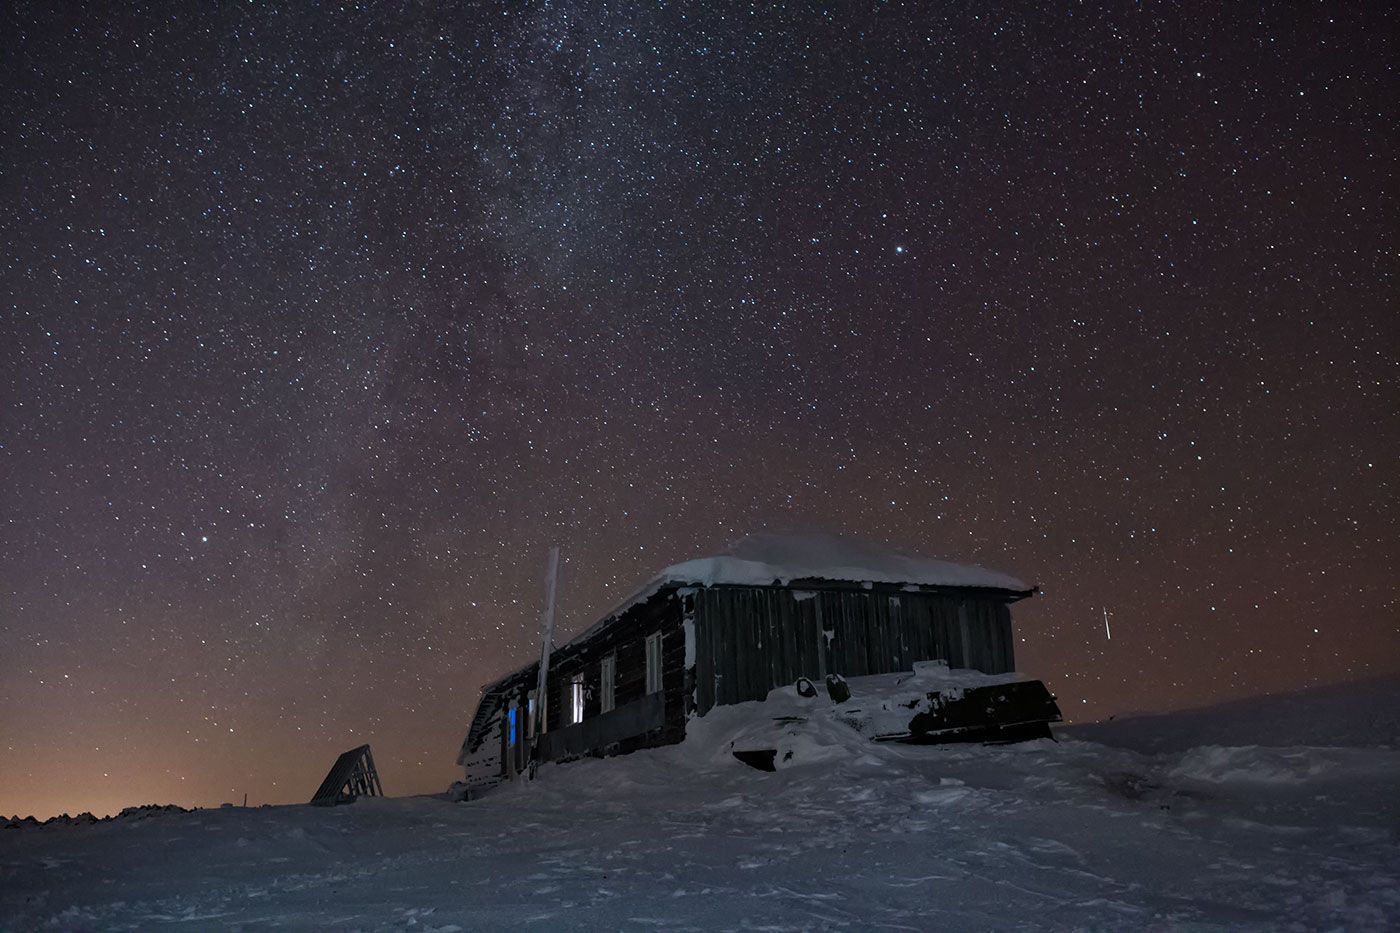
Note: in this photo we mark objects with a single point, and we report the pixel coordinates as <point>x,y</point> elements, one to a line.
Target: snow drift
<point>1077,834</point>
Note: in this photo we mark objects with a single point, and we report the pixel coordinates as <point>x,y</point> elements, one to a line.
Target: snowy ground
<point>1040,835</point>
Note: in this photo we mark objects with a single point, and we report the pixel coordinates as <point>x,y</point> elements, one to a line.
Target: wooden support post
<point>542,682</point>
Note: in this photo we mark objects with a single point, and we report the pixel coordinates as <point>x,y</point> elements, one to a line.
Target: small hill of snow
<point>1075,834</point>
<point>1359,714</point>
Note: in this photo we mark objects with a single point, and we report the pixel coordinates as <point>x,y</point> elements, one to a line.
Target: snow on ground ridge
<point>1042,835</point>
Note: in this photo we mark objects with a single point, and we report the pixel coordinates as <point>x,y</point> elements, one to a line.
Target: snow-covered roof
<point>764,559</point>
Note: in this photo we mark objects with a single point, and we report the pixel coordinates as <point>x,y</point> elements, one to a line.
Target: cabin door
<point>507,749</point>
<point>512,733</point>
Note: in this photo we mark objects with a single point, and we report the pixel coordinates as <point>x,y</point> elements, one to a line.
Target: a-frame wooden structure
<point>353,775</point>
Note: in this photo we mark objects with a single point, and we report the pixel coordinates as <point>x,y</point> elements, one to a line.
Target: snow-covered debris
<point>802,729</point>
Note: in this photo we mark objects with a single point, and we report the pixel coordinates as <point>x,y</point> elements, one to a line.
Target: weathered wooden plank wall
<point>626,640</point>
<point>747,641</point>
<point>752,639</point>
<point>481,753</point>
<point>484,750</point>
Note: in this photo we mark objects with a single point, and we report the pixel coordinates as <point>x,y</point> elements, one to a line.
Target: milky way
<point>318,327</point>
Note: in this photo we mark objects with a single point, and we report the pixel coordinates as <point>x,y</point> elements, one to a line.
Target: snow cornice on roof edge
<point>782,560</point>
<point>765,559</point>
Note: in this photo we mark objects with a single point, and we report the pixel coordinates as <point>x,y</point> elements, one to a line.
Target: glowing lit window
<point>576,699</point>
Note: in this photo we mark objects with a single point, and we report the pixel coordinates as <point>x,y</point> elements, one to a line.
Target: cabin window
<point>576,699</point>
<point>514,720</point>
<point>607,677</point>
<point>530,716</point>
<point>654,663</point>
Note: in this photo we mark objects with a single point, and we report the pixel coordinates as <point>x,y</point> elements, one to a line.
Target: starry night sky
<point>319,325</point>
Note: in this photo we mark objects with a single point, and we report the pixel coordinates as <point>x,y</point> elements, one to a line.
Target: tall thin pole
<point>542,684</point>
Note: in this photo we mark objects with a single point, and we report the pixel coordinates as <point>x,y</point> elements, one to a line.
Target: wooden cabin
<point>729,629</point>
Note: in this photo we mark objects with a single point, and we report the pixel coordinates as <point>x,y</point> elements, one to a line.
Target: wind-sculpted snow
<point>1034,836</point>
<point>1359,714</point>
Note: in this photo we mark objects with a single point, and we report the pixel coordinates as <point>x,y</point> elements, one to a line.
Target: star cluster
<point>319,325</point>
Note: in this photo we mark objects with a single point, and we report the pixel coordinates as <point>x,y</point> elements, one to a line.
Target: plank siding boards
<point>748,640</point>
